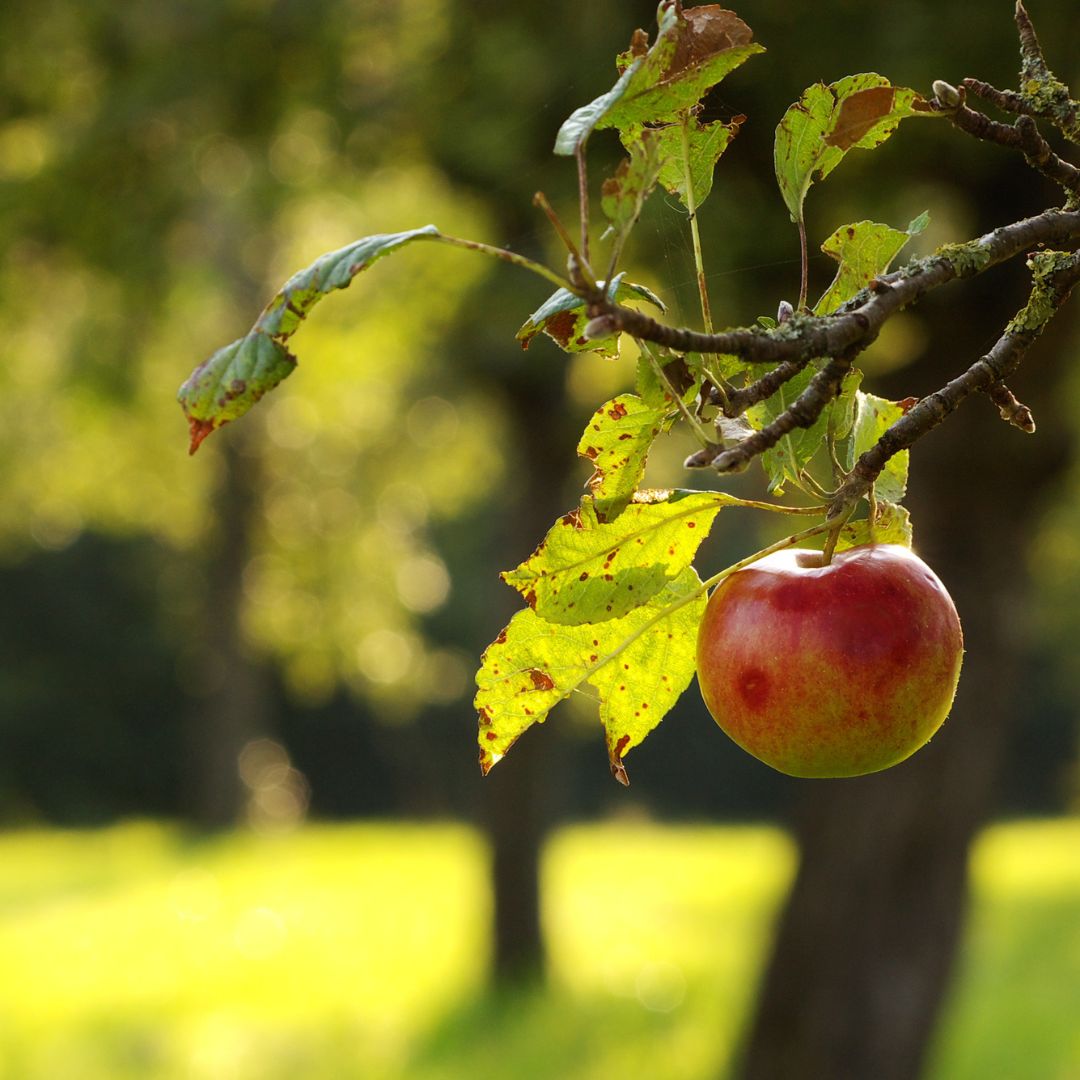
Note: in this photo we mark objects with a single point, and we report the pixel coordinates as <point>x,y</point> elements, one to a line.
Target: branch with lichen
<point>858,322</point>
<point>1023,136</point>
<point>1055,275</point>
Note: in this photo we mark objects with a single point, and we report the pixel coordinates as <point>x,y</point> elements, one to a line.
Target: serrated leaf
<point>562,317</point>
<point>581,123</point>
<point>590,571</point>
<point>859,111</point>
<point>786,461</point>
<point>623,195</point>
<point>694,49</point>
<point>224,387</point>
<point>873,416</point>
<point>617,442</point>
<point>335,270</point>
<point>639,665</point>
<point>705,142</point>
<point>231,381</point>
<point>892,526</point>
<point>864,250</point>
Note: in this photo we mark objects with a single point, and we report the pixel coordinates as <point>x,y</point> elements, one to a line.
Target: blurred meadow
<point>361,951</point>
<point>244,835</point>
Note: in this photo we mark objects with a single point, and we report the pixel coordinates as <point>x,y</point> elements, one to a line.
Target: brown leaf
<point>858,114</point>
<point>709,29</point>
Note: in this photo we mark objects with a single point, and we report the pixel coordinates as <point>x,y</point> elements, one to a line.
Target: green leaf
<point>334,270</point>
<point>786,461</point>
<point>623,195</point>
<point>224,387</point>
<point>231,381</point>
<point>562,317</point>
<point>706,142</point>
<point>873,416</point>
<point>579,125</point>
<point>864,250</point>
<point>617,443</point>
<point>590,571</point>
<point>678,370</point>
<point>693,51</point>
<point>892,526</point>
<point>639,665</point>
<point>856,112</point>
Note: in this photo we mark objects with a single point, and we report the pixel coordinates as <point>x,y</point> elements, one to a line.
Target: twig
<point>583,199</point>
<point>1012,411</point>
<point>1023,136</point>
<point>989,370</point>
<point>859,321</point>
<point>738,401</point>
<point>803,411</point>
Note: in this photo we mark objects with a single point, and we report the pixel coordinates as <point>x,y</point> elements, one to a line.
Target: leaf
<point>617,443</point>
<point>224,387</point>
<point>892,526</point>
<point>786,461</point>
<point>639,665</point>
<point>682,373</point>
<point>706,143</point>
<point>694,49</point>
<point>334,270</point>
<point>623,195</point>
<point>579,125</point>
<point>589,571</point>
<point>873,416</point>
<point>231,381</point>
<point>864,250</point>
<point>858,111</point>
<point>562,317</point>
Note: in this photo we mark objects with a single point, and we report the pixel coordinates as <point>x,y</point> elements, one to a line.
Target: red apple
<point>834,670</point>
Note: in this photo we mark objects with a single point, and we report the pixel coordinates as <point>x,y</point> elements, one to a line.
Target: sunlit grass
<point>361,951</point>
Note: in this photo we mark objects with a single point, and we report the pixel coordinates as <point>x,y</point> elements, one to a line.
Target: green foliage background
<point>163,168</point>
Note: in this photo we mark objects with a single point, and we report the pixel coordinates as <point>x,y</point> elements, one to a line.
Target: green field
<point>361,951</point>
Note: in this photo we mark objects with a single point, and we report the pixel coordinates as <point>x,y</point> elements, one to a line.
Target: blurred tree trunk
<point>236,694</point>
<point>868,939</point>
<point>516,812</point>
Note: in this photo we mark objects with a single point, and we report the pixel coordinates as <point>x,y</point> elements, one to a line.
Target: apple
<point>831,670</point>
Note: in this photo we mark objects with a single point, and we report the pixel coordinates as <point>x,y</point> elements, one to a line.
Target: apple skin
<point>835,670</point>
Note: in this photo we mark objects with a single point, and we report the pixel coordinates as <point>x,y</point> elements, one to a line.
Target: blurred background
<point>244,834</point>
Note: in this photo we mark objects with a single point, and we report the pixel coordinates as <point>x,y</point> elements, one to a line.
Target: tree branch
<point>803,411</point>
<point>1023,136</point>
<point>1056,274</point>
<point>858,322</point>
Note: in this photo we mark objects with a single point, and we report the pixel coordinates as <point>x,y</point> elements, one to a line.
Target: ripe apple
<point>834,670</point>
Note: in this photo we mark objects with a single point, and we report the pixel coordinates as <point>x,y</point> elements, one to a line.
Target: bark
<point>517,814</point>
<point>236,692</point>
<point>868,939</point>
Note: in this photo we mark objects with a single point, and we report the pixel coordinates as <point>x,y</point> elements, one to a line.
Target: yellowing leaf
<point>638,665</point>
<point>617,443</point>
<point>864,251</point>
<point>873,416</point>
<point>589,571</point>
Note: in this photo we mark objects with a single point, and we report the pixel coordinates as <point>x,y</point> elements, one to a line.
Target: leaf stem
<point>695,425</point>
<point>510,257</point>
<point>804,271</point>
<point>583,199</point>
<point>691,206</point>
